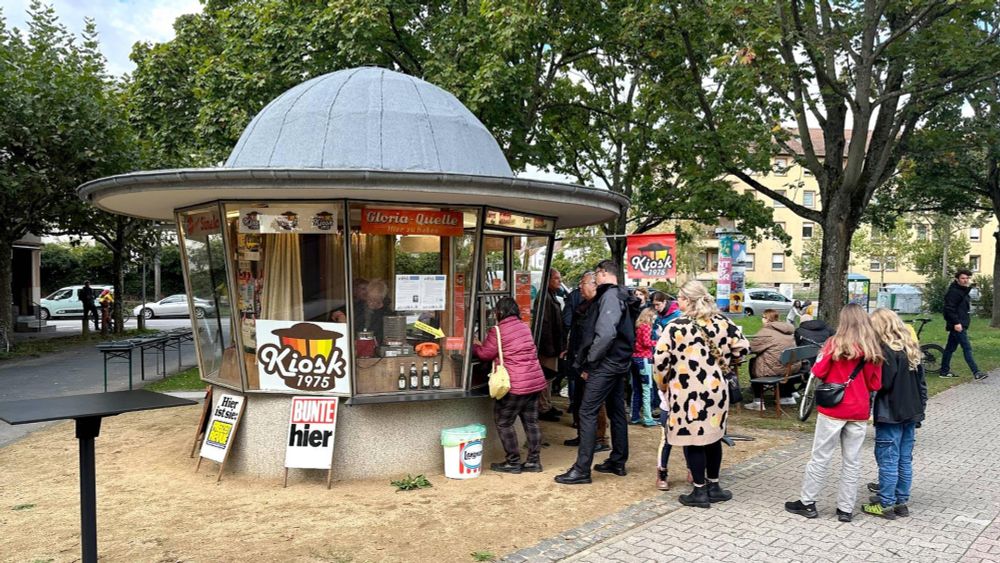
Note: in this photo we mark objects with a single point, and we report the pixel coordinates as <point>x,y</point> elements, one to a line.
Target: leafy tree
<point>891,247</point>
<point>865,72</point>
<point>578,251</point>
<point>808,262</point>
<point>56,130</point>
<point>944,251</point>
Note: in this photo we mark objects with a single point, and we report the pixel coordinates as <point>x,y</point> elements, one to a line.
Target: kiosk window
<point>289,261</point>
<point>411,271</point>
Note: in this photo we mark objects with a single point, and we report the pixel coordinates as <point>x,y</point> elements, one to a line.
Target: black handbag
<point>831,394</point>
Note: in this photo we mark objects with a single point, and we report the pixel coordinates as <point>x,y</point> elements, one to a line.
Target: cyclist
<point>957,320</point>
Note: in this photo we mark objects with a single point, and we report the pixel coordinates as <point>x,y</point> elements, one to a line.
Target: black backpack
<point>626,326</point>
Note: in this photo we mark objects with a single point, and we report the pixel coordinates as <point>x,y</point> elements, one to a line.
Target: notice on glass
<point>421,293</point>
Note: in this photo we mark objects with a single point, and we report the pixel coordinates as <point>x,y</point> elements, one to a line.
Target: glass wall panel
<point>291,296</point>
<point>412,287</point>
<point>201,240</point>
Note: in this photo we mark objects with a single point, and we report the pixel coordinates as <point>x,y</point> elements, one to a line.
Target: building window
<point>921,232</point>
<point>807,230</point>
<point>780,167</point>
<point>809,199</point>
<point>975,234</point>
<point>777,262</point>
<point>776,202</point>
<point>749,262</point>
<point>890,264</point>
<point>874,266</point>
<point>974,263</point>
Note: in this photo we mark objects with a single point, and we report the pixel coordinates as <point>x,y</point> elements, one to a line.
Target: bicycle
<point>932,352</point>
<point>807,402</point>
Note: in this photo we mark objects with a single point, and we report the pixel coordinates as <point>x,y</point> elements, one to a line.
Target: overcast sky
<point>120,23</point>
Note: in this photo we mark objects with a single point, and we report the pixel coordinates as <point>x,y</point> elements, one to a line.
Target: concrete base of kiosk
<point>379,440</point>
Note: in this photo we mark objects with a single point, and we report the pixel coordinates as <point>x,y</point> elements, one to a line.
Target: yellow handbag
<point>499,378</point>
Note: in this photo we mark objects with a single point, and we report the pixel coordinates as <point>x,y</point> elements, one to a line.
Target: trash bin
<point>463,451</point>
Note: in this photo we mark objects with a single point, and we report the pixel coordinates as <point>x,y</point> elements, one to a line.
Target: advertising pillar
<point>737,283</point>
<point>723,285</point>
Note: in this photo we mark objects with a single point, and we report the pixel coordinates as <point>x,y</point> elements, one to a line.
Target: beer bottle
<point>414,378</point>
<point>402,378</point>
<point>436,381</point>
<point>425,377</point>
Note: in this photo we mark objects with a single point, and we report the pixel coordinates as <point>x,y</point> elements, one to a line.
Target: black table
<point>87,410</point>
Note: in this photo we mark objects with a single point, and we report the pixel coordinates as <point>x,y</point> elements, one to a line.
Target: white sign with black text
<point>222,427</point>
<point>312,425</point>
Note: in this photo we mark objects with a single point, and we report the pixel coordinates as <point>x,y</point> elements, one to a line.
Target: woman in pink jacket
<point>526,382</point>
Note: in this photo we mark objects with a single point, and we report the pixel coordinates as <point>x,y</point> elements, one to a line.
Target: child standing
<point>642,368</point>
<point>899,407</point>
<point>854,357</point>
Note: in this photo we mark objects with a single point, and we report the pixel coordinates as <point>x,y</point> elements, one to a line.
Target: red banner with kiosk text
<point>652,256</point>
<point>380,221</point>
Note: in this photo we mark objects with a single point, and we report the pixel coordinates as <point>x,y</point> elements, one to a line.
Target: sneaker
<point>873,487</point>
<point>754,406</point>
<point>980,375</point>
<point>844,516</point>
<point>948,375</point>
<point>876,509</point>
<point>602,448</point>
<point>650,424</point>
<point>636,421</point>
<point>801,508</point>
<point>572,442</point>
<point>506,467</point>
<point>564,392</point>
<point>901,510</point>
<point>796,395</point>
<point>787,402</point>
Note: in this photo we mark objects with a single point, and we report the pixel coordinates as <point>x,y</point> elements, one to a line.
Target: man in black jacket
<point>87,296</point>
<point>957,320</point>
<point>604,359</point>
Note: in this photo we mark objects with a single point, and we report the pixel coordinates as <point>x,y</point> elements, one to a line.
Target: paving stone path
<point>955,507</point>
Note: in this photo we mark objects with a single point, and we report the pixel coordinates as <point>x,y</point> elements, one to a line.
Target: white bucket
<point>463,451</point>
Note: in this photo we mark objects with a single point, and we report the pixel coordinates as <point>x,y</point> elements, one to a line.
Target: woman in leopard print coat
<point>688,364</point>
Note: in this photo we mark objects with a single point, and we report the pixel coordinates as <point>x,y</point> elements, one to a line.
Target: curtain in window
<point>282,278</point>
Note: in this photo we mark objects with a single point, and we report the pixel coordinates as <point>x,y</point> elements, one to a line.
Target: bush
<point>984,308</point>
<point>933,293</point>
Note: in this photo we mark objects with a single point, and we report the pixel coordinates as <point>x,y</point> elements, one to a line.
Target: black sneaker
<point>873,487</point>
<point>802,509</point>
<point>844,516</point>
<point>901,510</point>
<point>531,467</point>
<point>980,375</point>
<point>948,375</point>
<point>506,467</point>
<point>573,442</point>
<point>602,448</point>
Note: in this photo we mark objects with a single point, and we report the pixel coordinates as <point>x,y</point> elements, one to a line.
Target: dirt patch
<point>152,506</point>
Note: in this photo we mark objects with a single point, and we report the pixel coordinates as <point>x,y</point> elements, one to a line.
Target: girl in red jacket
<point>526,382</point>
<point>854,349</point>
<point>642,369</point>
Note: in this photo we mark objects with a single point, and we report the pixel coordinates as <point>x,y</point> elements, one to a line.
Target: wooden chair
<point>789,357</point>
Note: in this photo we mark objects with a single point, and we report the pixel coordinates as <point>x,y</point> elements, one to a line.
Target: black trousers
<point>88,309</point>
<point>704,461</point>
<point>603,388</point>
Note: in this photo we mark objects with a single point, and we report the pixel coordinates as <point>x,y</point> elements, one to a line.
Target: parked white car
<point>174,306</point>
<point>760,298</point>
<point>65,302</point>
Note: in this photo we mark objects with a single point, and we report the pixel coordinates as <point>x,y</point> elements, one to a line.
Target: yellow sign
<point>436,332</point>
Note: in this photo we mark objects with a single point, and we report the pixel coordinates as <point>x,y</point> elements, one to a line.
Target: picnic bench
<point>121,351</point>
<point>789,357</point>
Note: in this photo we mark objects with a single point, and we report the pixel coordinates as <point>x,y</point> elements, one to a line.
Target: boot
<point>717,494</point>
<point>661,480</point>
<point>697,498</point>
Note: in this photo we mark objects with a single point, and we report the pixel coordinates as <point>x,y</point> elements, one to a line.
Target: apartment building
<point>770,266</point>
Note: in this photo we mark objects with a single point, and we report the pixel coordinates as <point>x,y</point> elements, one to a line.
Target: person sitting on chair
<point>768,344</point>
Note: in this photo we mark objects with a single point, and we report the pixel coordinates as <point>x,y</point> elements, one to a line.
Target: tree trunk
<point>6,295</point>
<point>618,245</point>
<point>995,313</point>
<point>833,266</point>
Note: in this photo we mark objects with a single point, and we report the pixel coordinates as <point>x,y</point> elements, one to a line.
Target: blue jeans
<point>664,444</point>
<point>641,389</point>
<point>954,340</point>
<point>894,454</point>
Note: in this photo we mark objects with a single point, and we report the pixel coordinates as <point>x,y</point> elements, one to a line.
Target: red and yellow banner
<point>381,221</point>
<point>652,256</point>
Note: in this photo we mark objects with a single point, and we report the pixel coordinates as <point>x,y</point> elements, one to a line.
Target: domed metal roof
<point>369,119</point>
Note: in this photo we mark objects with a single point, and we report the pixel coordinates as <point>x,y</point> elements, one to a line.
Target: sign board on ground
<point>312,426</point>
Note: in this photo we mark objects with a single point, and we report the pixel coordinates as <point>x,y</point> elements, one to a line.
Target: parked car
<point>174,306</point>
<point>759,298</point>
<point>65,302</point>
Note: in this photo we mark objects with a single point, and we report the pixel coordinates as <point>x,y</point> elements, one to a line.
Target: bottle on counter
<point>402,378</point>
<point>425,377</point>
<point>436,378</point>
<point>414,377</point>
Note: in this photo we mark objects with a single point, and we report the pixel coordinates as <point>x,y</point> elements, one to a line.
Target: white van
<point>65,302</point>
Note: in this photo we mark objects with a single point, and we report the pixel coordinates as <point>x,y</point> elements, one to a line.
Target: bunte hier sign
<point>312,425</point>
<point>652,256</point>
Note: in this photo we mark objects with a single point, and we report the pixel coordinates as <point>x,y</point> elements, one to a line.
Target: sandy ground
<point>152,506</point>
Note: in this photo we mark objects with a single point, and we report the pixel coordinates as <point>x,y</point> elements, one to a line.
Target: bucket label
<point>470,456</point>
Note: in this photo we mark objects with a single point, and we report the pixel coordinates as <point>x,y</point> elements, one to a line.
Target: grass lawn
<point>187,380</point>
<point>985,346</point>
<point>36,348</point>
